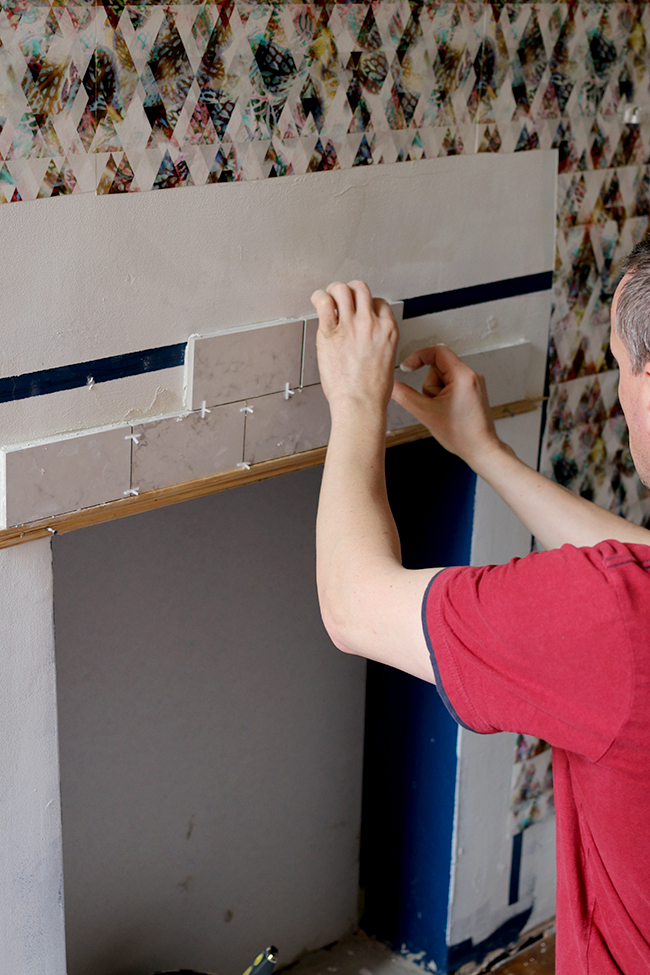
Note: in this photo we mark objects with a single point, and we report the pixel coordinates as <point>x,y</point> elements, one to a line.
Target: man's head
<point>630,345</point>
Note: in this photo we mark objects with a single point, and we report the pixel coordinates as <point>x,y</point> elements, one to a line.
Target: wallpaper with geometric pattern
<point>122,97</point>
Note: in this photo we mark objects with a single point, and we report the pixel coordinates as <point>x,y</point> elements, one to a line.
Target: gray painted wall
<point>210,737</point>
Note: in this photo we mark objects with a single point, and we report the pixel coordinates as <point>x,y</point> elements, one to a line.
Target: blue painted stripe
<point>151,360</point>
<point>100,370</point>
<point>515,867</point>
<point>477,294</point>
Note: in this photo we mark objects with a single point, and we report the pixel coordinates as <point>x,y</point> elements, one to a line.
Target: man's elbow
<point>337,632</point>
<point>337,622</point>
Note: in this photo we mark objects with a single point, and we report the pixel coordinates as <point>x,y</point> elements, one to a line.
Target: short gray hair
<point>633,306</point>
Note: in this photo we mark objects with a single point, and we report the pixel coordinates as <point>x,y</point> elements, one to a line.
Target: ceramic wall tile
<point>183,448</point>
<point>492,324</point>
<point>278,426</point>
<point>505,370</point>
<point>310,374</point>
<point>63,475</point>
<point>238,365</point>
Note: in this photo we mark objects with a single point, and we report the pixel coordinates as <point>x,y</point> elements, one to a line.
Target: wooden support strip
<point>209,485</point>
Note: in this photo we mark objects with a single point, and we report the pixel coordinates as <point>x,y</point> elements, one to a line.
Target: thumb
<point>416,403</point>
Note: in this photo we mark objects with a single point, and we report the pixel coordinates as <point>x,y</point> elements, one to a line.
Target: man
<point>555,645</point>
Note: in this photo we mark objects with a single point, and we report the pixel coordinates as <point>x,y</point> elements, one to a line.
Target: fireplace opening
<point>211,737</point>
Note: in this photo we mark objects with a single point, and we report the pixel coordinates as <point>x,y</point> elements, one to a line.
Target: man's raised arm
<point>370,604</point>
<point>454,407</point>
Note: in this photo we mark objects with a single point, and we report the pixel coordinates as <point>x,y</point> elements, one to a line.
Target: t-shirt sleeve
<point>536,646</point>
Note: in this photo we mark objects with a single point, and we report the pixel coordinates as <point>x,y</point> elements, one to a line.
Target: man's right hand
<point>453,404</point>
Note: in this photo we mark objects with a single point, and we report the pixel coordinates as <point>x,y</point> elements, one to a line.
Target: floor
<point>355,955</point>
<point>360,955</point>
<point>539,959</point>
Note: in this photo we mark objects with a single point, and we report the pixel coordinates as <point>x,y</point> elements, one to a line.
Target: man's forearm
<point>553,514</point>
<point>356,533</point>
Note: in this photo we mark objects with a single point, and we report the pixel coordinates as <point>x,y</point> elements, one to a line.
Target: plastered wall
<point>31,884</point>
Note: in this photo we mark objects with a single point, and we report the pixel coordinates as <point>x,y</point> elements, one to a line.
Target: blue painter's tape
<point>100,370</point>
<point>478,294</point>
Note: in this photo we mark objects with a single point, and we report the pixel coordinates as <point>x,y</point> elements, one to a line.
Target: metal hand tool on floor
<point>264,964</point>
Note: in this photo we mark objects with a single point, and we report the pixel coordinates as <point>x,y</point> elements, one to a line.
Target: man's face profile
<point>633,394</point>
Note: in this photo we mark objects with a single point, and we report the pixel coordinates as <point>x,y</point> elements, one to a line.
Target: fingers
<point>439,356</point>
<point>362,296</point>
<point>416,403</point>
<point>341,302</point>
<point>326,309</point>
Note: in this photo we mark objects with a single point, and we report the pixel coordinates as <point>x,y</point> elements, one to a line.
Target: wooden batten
<point>150,500</point>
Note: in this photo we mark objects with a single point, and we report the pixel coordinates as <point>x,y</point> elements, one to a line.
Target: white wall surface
<point>88,277</point>
<point>211,737</point>
<point>110,274</point>
<point>31,908</point>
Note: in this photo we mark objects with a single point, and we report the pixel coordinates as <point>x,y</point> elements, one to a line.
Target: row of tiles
<point>252,395</point>
<point>59,476</point>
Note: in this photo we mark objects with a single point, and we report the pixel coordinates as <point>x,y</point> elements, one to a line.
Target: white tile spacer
<point>52,531</point>
<point>246,409</point>
<point>204,409</point>
<point>90,382</point>
<point>134,492</point>
<point>288,391</point>
<point>244,466</point>
<point>135,437</point>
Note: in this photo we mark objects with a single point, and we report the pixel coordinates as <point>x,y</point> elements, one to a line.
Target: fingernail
<point>406,368</point>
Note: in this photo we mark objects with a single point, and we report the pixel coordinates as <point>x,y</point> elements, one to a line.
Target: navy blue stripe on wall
<point>99,370</point>
<point>515,867</point>
<point>527,284</point>
<point>166,357</point>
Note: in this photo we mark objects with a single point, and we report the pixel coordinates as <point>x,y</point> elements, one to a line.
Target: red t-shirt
<point>557,645</point>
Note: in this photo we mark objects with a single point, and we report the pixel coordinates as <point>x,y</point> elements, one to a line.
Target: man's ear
<point>645,377</point>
